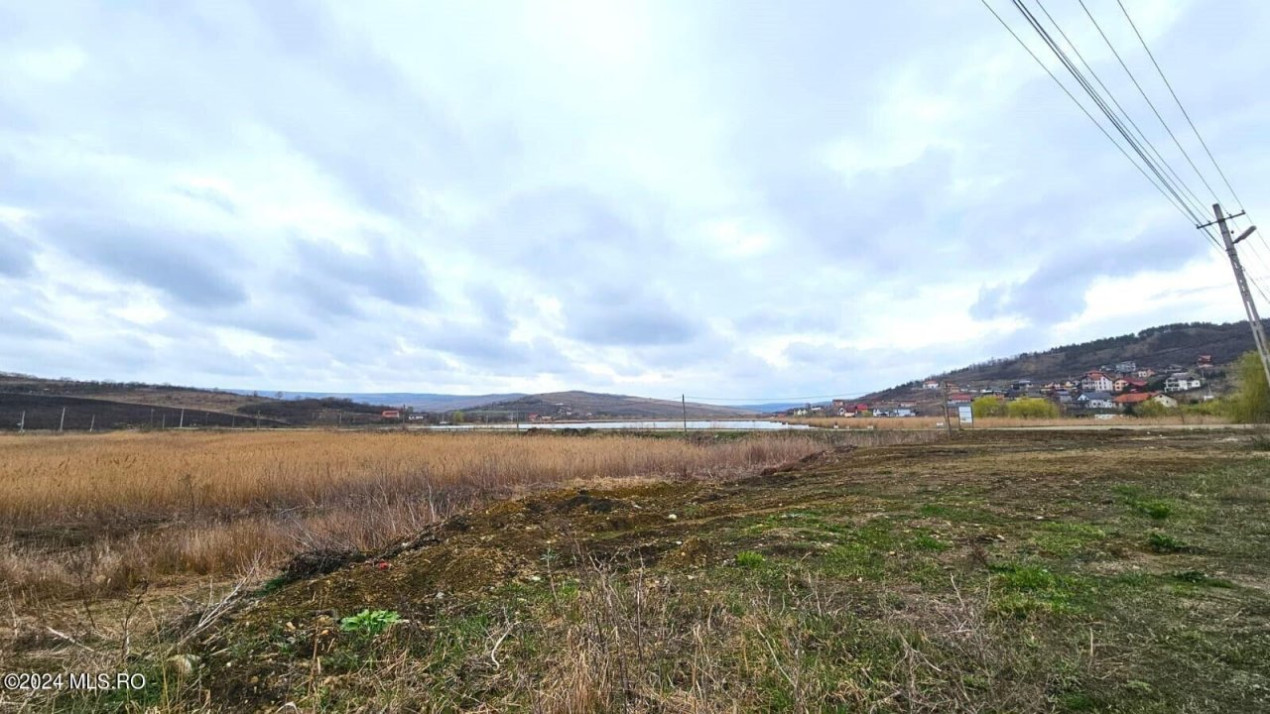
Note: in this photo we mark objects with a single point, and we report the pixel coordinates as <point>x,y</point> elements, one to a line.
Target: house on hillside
<point>930,384</point>
<point>1096,382</point>
<point>1144,373</point>
<point>1129,384</point>
<point>1126,367</point>
<point>1204,362</point>
<point>1096,400</point>
<point>957,399</point>
<point>1128,401</point>
<point>1063,396</point>
<point>390,414</point>
<point>1182,382</point>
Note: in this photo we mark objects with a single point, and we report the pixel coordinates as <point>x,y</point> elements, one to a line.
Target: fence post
<point>62,424</point>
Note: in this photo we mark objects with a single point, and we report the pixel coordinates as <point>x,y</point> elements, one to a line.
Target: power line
<point>1186,114</point>
<point>1109,114</point>
<point>1151,104</point>
<point>1111,95</point>
<point>1087,113</point>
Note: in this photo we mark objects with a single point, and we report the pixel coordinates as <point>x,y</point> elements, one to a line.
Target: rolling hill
<point>589,405</point>
<point>1178,344</point>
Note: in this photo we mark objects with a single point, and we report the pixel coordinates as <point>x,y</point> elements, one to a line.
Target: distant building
<point>1129,384</point>
<point>1096,400</point>
<point>391,414</point>
<point>1182,382</point>
<point>930,384</point>
<point>1096,382</point>
<point>1128,401</point>
<point>1166,400</point>
<point>1126,367</point>
<point>1144,373</point>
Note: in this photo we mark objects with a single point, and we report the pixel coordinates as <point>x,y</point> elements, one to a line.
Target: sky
<point>732,200</point>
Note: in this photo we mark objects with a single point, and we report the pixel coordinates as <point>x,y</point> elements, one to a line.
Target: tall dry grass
<point>106,511</point>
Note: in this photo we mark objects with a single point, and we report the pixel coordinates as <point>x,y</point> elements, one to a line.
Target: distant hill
<point>1155,347</point>
<point>420,401</point>
<point>37,403</point>
<point>589,405</point>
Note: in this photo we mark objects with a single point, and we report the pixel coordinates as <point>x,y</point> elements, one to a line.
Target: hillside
<point>588,405</point>
<point>419,401</point>
<point>38,403</point>
<point>1156,347</point>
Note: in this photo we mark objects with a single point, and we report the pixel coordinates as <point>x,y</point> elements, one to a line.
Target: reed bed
<point>109,510</point>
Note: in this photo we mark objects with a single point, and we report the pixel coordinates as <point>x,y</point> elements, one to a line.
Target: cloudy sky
<point>724,199</point>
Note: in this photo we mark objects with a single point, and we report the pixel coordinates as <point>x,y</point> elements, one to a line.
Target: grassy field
<point>105,512</point>
<point>990,572</point>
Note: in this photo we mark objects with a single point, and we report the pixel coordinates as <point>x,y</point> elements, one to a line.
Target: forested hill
<point>1155,347</point>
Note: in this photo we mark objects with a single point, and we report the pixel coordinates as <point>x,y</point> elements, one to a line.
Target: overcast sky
<point>723,199</point>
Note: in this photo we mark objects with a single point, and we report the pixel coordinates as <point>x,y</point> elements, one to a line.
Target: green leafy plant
<point>370,622</point>
<point>1164,543</point>
<point>750,559</point>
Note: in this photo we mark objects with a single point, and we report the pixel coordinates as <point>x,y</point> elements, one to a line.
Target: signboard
<point>965,414</point>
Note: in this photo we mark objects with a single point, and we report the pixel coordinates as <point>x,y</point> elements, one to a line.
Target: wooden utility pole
<point>92,423</point>
<point>683,401</point>
<point>1250,307</point>
<point>947,418</point>
<point>22,422</point>
<point>62,424</point>
<point>182,424</point>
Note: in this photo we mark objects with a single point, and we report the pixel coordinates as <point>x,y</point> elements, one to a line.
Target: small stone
<point>182,665</point>
<point>672,517</point>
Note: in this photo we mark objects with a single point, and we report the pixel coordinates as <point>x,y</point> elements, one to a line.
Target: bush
<point>987,407</point>
<point>1251,404</point>
<point>1152,408</point>
<point>1032,408</point>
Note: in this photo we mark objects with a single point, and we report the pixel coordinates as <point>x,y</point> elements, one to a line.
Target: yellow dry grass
<point>110,509</point>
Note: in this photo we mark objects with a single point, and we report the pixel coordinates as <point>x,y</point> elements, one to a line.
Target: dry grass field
<point>888,571</point>
<point>104,512</point>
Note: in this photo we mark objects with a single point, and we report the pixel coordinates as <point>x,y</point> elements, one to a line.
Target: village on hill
<point>1121,388</point>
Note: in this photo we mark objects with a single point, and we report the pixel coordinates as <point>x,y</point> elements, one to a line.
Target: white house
<point>1182,382</point>
<point>1096,400</point>
<point>930,384</point>
<point>1096,382</point>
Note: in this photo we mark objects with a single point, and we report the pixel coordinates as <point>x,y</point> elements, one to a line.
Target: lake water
<point>745,425</point>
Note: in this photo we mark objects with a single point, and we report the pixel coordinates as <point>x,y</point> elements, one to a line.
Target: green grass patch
<point>1160,542</point>
<point>1026,589</point>
<point>750,559</point>
<point>1065,538</point>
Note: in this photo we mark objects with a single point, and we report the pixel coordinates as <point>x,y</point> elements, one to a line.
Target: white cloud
<point>490,196</point>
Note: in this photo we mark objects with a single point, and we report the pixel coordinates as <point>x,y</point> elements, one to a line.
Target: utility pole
<point>683,400</point>
<point>92,423</point>
<point>947,418</point>
<point>61,424</point>
<point>182,424</point>
<point>22,422</point>
<point>1250,307</point>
